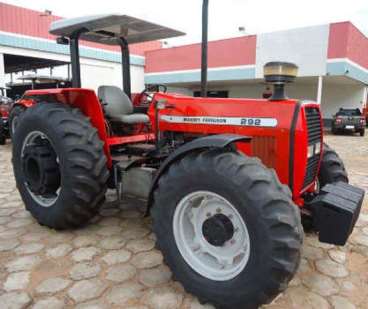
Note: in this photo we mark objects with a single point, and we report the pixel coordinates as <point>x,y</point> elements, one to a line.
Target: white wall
<point>93,72</point>
<point>180,90</point>
<point>306,47</point>
<point>255,91</point>
<point>336,96</point>
<point>137,78</point>
<point>297,91</point>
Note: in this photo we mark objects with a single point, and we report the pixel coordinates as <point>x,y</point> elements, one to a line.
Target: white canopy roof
<point>105,28</point>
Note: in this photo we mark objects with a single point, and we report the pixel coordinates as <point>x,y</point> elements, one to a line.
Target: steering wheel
<point>155,88</point>
<point>149,91</point>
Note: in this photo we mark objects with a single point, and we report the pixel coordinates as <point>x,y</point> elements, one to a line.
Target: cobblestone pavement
<point>112,263</point>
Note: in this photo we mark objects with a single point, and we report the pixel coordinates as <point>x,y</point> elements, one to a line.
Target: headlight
<point>310,152</point>
<point>317,148</point>
<point>313,150</point>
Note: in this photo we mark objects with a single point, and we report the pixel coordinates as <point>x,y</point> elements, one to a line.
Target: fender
<point>24,102</point>
<point>213,141</point>
<point>84,99</point>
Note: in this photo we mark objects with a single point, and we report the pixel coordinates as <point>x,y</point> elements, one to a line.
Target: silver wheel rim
<point>40,199</point>
<point>213,262</point>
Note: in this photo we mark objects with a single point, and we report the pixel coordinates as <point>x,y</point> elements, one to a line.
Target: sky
<point>226,16</point>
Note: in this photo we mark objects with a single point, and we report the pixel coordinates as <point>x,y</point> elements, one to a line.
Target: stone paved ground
<point>113,264</point>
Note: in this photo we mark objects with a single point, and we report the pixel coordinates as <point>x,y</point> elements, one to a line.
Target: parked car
<point>5,106</point>
<point>347,119</point>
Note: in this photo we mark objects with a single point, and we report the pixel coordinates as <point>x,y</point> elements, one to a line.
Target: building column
<point>320,89</point>
<point>365,97</point>
<point>2,71</point>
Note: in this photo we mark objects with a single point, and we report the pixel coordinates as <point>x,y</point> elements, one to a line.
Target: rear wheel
<point>332,168</point>
<point>14,115</point>
<point>227,228</point>
<point>59,165</point>
<point>362,132</point>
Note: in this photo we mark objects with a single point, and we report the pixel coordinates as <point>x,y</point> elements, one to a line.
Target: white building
<point>332,60</point>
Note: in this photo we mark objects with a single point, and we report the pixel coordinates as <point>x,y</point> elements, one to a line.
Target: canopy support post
<point>125,63</point>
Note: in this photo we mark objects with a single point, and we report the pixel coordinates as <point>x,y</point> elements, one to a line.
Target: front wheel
<point>227,228</point>
<point>332,168</point>
<point>59,165</point>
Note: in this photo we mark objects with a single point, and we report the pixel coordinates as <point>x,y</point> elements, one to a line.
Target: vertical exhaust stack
<point>278,74</point>
<point>204,48</point>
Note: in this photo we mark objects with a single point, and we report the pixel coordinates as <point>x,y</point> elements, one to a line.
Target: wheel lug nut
<point>232,241</point>
<point>218,210</point>
<point>230,216</point>
<point>208,214</point>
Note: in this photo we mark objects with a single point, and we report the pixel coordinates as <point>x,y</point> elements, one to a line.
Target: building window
<point>213,94</point>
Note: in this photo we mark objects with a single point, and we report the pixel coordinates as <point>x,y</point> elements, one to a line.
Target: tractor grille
<point>314,125</point>
<point>312,167</point>
<point>313,118</point>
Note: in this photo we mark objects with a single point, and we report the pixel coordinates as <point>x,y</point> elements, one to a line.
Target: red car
<point>5,106</point>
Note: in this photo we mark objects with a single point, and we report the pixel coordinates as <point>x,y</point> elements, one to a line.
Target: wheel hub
<point>217,230</point>
<point>211,235</point>
<point>41,169</point>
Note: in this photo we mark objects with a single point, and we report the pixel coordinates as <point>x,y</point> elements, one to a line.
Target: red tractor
<point>226,180</point>
<point>5,106</point>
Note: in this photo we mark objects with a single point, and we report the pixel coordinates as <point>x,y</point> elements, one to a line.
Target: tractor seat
<point>118,106</point>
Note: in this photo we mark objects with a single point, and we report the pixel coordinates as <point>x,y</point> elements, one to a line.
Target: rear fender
<point>24,102</point>
<point>212,141</point>
<point>83,99</point>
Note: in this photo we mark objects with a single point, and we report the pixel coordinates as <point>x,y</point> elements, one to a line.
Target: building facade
<point>332,60</point>
<point>24,39</point>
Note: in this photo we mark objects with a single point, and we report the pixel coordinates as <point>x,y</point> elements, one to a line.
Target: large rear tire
<point>332,168</point>
<point>59,165</point>
<point>233,200</point>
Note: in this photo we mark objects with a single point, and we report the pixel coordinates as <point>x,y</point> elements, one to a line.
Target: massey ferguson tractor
<point>227,181</point>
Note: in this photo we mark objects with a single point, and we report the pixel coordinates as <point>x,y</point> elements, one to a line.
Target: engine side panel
<point>273,126</point>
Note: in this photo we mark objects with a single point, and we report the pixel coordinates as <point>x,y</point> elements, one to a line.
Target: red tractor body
<point>272,125</point>
<point>223,178</point>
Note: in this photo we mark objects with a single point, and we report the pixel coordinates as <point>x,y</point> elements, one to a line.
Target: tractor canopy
<point>105,29</point>
<point>120,30</point>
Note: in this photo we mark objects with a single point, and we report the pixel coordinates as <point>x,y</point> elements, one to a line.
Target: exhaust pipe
<point>204,65</point>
